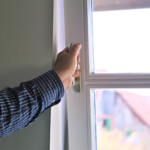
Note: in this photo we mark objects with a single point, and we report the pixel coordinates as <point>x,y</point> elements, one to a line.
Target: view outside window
<point>121,41</point>
<point>123,119</point>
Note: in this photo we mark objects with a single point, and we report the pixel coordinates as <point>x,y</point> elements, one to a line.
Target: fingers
<point>76,74</point>
<point>78,59</point>
<point>75,49</point>
<point>78,67</point>
<point>70,79</point>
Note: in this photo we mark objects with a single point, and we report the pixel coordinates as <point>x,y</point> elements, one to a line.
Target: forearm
<point>20,106</point>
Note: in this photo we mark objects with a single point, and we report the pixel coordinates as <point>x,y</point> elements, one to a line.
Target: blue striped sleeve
<point>20,106</point>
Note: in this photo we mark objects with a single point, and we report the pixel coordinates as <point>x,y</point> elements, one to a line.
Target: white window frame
<point>80,106</point>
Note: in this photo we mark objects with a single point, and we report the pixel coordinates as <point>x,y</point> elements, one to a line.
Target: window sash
<point>89,58</point>
<point>91,115</point>
<point>78,27</point>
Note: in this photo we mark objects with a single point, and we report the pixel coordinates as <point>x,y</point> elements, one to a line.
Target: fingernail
<point>80,46</point>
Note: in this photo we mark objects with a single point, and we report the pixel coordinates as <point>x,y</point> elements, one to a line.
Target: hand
<point>67,65</point>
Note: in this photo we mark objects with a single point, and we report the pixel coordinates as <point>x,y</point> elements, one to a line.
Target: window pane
<point>123,121</point>
<point>121,41</point>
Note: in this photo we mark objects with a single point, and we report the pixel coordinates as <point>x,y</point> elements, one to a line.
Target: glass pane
<point>121,41</point>
<point>123,121</point>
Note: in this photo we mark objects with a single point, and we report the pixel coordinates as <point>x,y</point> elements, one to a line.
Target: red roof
<point>139,104</point>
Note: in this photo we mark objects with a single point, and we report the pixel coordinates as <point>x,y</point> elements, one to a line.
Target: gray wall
<point>26,52</point>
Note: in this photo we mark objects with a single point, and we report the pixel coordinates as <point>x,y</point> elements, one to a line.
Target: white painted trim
<point>76,103</point>
<point>118,81</point>
<point>92,137</point>
<point>58,127</point>
<point>119,76</point>
<point>78,29</point>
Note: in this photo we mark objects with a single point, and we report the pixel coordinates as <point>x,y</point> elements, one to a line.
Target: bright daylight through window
<point>121,41</point>
<point>122,120</point>
<point>121,46</point>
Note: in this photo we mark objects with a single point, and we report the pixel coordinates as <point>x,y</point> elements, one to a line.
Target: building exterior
<point>125,111</point>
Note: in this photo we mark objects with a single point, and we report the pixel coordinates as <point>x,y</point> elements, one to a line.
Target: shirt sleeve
<point>20,106</point>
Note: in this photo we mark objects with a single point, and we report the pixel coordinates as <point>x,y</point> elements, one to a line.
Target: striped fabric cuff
<point>50,86</point>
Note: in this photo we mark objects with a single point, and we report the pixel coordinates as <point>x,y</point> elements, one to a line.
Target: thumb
<point>75,49</point>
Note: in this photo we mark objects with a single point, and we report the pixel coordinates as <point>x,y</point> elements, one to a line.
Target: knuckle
<point>59,53</point>
<point>75,46</point>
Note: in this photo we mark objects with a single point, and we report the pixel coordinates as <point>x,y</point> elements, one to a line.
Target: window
<point>122,118</point>
<point>112,76</point>
<point>121,41</point>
